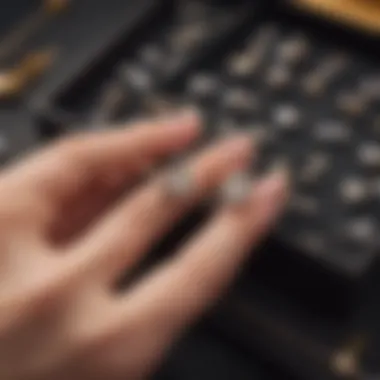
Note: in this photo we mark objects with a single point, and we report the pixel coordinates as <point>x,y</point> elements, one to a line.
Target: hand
<point>69,230</point>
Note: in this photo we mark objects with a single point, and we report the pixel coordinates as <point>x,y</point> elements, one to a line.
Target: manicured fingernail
<point>185,116</point>
<point>277,180</point>
<point>239,143</point>
<point>236,189</point>
<point>282,170</point>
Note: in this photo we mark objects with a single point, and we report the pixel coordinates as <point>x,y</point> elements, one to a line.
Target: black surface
<point>339,251</point>
<point>203,355</point>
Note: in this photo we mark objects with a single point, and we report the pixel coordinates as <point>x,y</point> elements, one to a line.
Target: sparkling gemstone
<point>354,190</point>
<point>237,189</point>
<point>203,85</point>
<point>293,49</point>
<point>286,116</point>
<point>136,77</point>
<point>369,154</point>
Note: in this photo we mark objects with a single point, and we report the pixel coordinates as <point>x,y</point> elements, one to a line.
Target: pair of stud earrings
<point>235,191</point>
<point>180,184</point>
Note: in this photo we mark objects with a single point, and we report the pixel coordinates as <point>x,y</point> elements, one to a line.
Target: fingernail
<point>282,169</point>
<point>185,116</point>
<point>236,189</point>
<point>278,178</point>
<point>241,143</point>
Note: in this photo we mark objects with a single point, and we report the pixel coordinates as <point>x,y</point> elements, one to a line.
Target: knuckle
<point>39,293</point>
<point>45,293</point>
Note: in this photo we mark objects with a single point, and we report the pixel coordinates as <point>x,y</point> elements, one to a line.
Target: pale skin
<point>70,228</point>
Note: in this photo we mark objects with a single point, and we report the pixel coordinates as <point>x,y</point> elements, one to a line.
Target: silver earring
<point>236,189</point>
<point>179,182</point>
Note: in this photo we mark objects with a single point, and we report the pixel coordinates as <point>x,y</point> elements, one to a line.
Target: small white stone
<point>293,49</point>
<point>241,64</point>
<point>236,189</point>
<point>369,154</point>
<point>278,76</point>
<point>251,57</point>
<point>362,229</point>
<point>352,104</point>
<point>136,77</point>
<point>318,80</point>
<point>187,36</point>
<point>313,85</point>
<point>203,85</point>
<point>353,190</point>
<point>286,116</point>
<point>345,364</point>
<point>240,98</point>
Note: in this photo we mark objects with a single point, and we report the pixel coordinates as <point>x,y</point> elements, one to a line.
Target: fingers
<point>138,222</point>
<point>63,171</point>
<point>178,291</point>
<point>76,218</point>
